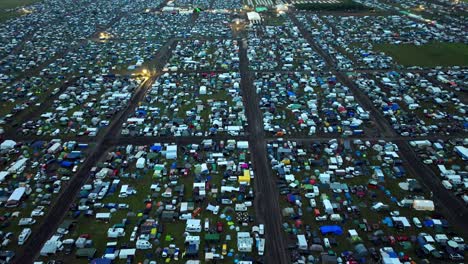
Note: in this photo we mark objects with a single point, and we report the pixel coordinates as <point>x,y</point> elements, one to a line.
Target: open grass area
<point>429,55</point>
<point>337,5</point>
<point>6,7</point>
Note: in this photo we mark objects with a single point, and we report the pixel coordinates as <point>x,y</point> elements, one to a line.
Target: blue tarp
<point>334,229</point>
<point>291,93</point>
<point>66,164</point>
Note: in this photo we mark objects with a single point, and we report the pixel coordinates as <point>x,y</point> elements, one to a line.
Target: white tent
<point>423,205</point>
<point>8,144</point>
<point>254,17</point>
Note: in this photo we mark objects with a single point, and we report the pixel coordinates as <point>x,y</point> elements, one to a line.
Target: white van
<point>24,236</point>
<point>335,217</point>
<point>115,232</point>
<point>123,191</point>
<point>261,246</point>
<point>447,185</point>
<point>313,203</point>
<point>416,222</point>
<point>26,221</point>
<point>143,244</point>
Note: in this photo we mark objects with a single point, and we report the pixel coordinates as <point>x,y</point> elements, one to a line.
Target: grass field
<point>429,55</point>
<point>6,5</point>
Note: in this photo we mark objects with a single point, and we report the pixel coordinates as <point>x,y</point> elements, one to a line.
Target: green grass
<point>5,5</point>
<point>429,55</point>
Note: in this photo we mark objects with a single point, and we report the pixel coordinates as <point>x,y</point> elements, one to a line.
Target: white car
<point>326,243</point>
<point>37,212</point>
<point>321,218</point>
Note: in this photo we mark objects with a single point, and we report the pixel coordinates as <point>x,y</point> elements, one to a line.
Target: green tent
<point>212,237</point>
<point>261,9</point>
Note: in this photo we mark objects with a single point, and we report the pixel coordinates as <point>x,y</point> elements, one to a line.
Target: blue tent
<point>37,144</point>
<point>428,223</point>
<point>395,107</point>
<point>388,221</point>
<point>101,261</point>
<point>290,93</point>
<point>334,229</point>
<point>74,155</point>
<point>66,164</point>
<point>156,148</point>
<point>141,112</point>
<point>292,198</point>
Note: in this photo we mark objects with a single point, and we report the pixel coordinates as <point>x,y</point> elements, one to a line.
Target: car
<point>164,252</point>
<point>402,238</point>
<point>456,256</point>
<point>321,218</point>
<point>326,243</point>
<point>458,240</point>
<point>395,213</point>
<point>219,227</point>
<point>224,249</point>
<point>417,222</point>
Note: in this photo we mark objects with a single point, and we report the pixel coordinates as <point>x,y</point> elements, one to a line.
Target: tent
<point>334,229</point>
<point>253,17</point>
<point>101,261</point>
<point>423,205</point>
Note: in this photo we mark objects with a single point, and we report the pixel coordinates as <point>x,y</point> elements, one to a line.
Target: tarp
<point>101,261</point>
<point>334,229</point>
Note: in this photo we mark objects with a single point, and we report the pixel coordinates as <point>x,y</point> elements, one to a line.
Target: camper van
<point>143,244</point>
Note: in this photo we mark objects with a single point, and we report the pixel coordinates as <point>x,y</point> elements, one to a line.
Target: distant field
<point>330,5</point>
<point>429,55</point>
<point>9,4</point>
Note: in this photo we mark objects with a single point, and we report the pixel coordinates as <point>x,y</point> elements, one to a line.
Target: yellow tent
<point>245,178</point>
